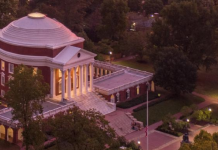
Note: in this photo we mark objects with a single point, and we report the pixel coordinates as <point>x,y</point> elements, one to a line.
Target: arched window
<point>127,94</point>
<point>2,132</point>
<point>112,98</point>
<point>138,89</point>
<point>118,96</point>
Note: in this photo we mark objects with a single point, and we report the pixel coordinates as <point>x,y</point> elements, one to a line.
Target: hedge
<point>152,103</point>
<point>175,133</point>
<point>137,100</point>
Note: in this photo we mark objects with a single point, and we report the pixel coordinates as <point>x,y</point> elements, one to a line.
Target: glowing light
<point>210,109</point>
<point>139,142</point>
<point>110,53</point>
<point>36,15</point>
<point>188,120</point>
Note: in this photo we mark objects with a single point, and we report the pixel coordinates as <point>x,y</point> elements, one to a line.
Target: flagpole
<point>147,113</point>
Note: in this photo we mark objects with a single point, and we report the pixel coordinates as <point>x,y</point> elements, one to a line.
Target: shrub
<point>152,103</point>
<point>137,100</point>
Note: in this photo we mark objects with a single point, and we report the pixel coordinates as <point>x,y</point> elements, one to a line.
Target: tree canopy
<point>174,72</point>
<point>81,129</point>
<point>202,141</point>
<point>114,21</point>
<point>191,28</point>
<point>25,95</point>
<point>153,6</point>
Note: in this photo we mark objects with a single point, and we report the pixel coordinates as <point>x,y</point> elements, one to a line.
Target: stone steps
<point>93,101</point>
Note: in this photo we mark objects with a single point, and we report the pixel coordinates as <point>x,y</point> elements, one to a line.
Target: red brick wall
<point>80,45</point>
<point>34,51</point>
<point>133,93</point>
<point>45,72</point>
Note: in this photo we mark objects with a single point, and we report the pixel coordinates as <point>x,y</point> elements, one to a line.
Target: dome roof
<point>37,30</point>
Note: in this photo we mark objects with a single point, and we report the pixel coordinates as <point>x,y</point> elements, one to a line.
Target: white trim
<point>39,60</point>
<point>9,68</point>
<point>2,93</point>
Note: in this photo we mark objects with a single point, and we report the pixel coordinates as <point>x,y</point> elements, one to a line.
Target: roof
<point>41,31</point>
<point>119,80</point>
<point>69,55</point>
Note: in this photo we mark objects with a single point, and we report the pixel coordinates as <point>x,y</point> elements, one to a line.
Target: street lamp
<point>147,88</point>
<point>187,120</point>
<point>110,55</point>
<point>210,109</point>
<point>139,144</point>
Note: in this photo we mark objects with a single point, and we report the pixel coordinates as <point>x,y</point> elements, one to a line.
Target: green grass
<point>8,146</point>
<point>207,82</point>
<point>134,64</point>
<point>172,106</point>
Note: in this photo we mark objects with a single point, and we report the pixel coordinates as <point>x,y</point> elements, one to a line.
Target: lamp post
<point>139,145</point>
<point>147,88</point>
<point>110,55</point>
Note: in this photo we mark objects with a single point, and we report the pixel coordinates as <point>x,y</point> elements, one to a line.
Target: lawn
<point>172,106</point>
<point>134,64</point>
<point>207,82</point>
<point>8,146</point>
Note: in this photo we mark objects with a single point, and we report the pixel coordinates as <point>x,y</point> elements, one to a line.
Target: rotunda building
<point>44,43</point>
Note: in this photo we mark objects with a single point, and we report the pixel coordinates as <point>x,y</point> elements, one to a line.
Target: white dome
<point>37,30</point>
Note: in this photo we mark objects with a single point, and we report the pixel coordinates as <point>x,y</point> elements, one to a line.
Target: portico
<point>71,82</point>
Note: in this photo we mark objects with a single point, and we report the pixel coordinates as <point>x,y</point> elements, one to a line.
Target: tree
<point>153,6</point>
<point>25,95</point>
<point>132,43</point>
<point>190,27</point>
<point>114,21</point>
<point>7,12</point>
<point>135,5</point>
<point>202,141</point>
<point>81,129</point>
<point>174,72</point>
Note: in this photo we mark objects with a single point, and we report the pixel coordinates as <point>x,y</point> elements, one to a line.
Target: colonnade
<point>99,72</point>
<point>79,74</point>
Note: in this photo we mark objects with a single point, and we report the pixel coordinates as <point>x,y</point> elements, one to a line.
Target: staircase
<point>93,100</point>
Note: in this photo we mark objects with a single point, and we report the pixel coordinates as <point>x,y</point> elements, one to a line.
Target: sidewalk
<point>157,144</point>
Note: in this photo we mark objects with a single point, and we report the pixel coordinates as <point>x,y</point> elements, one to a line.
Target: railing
<point>121,87</point>
<point>2,111</point>
<point>108,76</point>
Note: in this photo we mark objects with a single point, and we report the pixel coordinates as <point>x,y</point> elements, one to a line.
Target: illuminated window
<point>2,79</point>
<point>138,90</point>
<point>60,85</point>
<point>2,93</point>
<point>3,65</point>
<point>35,69</point>
<point>59,73</point>
<point>11,68</point>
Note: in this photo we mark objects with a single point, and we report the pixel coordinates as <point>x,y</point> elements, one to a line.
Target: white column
<point>97,74</point>
<point>102,72</point>
<point>105,72</point>
<point>82,75</point>
<point>66,82</point>
<point>63,85</point>
<point>109,71</point>
<point>74,81</point>
<point>80,80</point>
<point>52,83</point>
<point>69,84</point>
<point>86,78</point>
<point>91,76</point>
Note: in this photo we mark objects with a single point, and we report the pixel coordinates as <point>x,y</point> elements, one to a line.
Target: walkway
<point>159,140</point>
